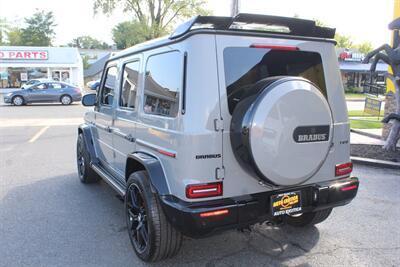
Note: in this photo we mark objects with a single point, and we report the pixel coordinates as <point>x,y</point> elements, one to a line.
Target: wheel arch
<point>19,95</point>
<point>138,161</point>
<point>86,132</point>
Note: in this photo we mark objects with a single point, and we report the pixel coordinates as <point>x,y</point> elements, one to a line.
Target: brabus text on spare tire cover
<point>309,134</point>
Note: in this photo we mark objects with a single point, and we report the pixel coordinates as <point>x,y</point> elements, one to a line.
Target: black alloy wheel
<point>136,216</point>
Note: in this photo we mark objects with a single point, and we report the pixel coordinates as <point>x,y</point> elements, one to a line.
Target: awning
<point>360,67</point>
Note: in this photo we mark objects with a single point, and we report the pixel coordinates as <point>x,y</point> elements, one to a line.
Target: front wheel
<point>308,218</point>
<point>86,174</point>
<point>153,238</point>
<point>18,100</point>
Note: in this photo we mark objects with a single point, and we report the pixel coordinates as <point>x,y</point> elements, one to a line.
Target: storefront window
<point>16,77</point>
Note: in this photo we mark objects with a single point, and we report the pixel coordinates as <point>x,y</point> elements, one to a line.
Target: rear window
<point>244,66</point>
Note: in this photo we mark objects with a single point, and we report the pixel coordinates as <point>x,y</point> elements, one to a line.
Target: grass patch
<point>360,113</point>
<point>365,124</point>
<point>354,95</point>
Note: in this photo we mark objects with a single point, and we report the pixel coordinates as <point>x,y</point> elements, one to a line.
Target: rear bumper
<point>249,209</point>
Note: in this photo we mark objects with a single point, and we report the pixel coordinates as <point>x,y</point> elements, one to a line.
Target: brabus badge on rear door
<point>308,134</point>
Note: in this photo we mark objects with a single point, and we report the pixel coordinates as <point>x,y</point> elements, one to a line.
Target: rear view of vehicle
<point>238,121</point>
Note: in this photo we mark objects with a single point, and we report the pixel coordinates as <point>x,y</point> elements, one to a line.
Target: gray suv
<point>228,122</point>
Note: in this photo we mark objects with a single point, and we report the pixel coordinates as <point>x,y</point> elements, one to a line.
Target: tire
<point>308,219</point>
<point>86,174</point>
<point>18,100</point>
<point>152,237</point>
<point>66,100</point>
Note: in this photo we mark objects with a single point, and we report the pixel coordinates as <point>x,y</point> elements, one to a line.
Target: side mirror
<point>109,99</point>
<point>89,100</point>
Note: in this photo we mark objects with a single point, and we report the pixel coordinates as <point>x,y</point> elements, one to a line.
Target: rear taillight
<point>343,169</point>
<point>204,190</point>
<point>276,47</point>
<point>77,90</point>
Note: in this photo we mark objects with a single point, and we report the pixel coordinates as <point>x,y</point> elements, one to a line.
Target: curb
<point>355,99</point>
<point>375,136</point>
<point>376,162</point>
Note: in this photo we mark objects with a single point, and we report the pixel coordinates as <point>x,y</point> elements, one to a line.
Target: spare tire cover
<point>283,133</point>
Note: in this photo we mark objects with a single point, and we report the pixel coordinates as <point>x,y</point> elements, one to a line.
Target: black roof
<point>262,23</point>
<point>296,29</point>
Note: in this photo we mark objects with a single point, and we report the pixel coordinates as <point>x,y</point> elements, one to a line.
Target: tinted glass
<point>109,86</point>
<point>129,84</point>
<point>163,84</point>
<point>55,85</point>
<point>40,86</point>
<point>245,66</point>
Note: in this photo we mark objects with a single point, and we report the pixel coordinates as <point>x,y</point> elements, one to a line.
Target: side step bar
<point>108,179</point>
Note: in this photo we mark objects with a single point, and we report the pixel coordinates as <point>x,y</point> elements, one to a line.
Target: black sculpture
<point>391,56</point>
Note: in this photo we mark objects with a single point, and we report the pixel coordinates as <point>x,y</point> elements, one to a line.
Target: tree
<point>343,41</point>
<point>88,42</point>
<point>85,62</point>
<point>154,16</point>
<point>39,30</point>
<point>129,33</point>
<point>4,27</point>
<point>14,36</point>
<point>365,47</point>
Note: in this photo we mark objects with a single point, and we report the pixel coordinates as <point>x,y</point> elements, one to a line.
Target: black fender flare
<point>86,131</point>
<point>154,169</point>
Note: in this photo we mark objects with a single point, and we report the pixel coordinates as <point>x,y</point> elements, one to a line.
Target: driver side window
<point>107,90</point>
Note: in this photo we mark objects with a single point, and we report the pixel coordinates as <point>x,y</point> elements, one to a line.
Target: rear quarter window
<point>245,66</point>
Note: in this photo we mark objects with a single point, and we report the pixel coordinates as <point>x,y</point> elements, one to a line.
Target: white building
<point>19,64</point>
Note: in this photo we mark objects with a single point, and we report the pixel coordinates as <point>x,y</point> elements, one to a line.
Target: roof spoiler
<point>295,26</point>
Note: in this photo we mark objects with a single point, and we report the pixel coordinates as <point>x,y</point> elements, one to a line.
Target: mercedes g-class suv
<point>228,122</point>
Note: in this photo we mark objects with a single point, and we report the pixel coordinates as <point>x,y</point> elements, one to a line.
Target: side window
<point>163,84</point>
<point>40,86</point>
<point>55,85</point>
<point>129,84</point>
<point>107,91</point>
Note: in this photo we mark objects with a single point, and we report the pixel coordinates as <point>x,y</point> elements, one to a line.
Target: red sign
<point>24,54</point>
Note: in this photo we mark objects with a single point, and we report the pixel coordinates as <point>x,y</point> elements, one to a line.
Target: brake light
<point>214,213</point>
<point>343,169</point>
<point>276,47</point>
<point>204,190</point>
<point>77,90</point>
<point>348,188</point>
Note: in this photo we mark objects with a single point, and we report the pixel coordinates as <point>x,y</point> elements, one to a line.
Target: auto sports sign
<point>24,54</point>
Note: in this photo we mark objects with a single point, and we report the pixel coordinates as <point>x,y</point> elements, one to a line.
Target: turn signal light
<point>214,213</point>
<point>204,190</point>
<point>276,47</point>
<point>343,169</point>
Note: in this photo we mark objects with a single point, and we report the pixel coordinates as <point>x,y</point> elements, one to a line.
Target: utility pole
<point>234,7</point>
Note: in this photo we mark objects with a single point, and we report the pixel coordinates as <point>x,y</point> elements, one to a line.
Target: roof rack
<point>274,24</point>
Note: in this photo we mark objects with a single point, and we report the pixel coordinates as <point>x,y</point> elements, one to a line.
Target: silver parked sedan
<point>45,92</point>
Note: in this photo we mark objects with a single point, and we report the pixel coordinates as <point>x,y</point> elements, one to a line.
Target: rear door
<point>124,128</point>
<point>55,91</point>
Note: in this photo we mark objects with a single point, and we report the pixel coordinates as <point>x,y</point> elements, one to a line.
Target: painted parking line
<point>4,123</point>
<point>38,134</point>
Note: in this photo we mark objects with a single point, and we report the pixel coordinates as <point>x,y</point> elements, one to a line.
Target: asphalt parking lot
<point>48,218</point>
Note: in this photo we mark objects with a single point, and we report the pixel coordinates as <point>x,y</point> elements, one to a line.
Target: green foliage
<point>14,36</point>
<point>4,27</point>
<point>359,124</point>
<point>155,18</point>
<point>85,62</point>
<point>88,42</point>
<point>39,30</point>
<point>343,41</point>
<point>129,33</point>
<point>365,47</point>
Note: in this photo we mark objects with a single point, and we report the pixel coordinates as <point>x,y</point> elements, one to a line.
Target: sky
<point>355,18</point>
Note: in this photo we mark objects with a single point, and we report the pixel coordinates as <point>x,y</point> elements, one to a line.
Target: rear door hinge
<point>219,124</point>
<point>220,173</point>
